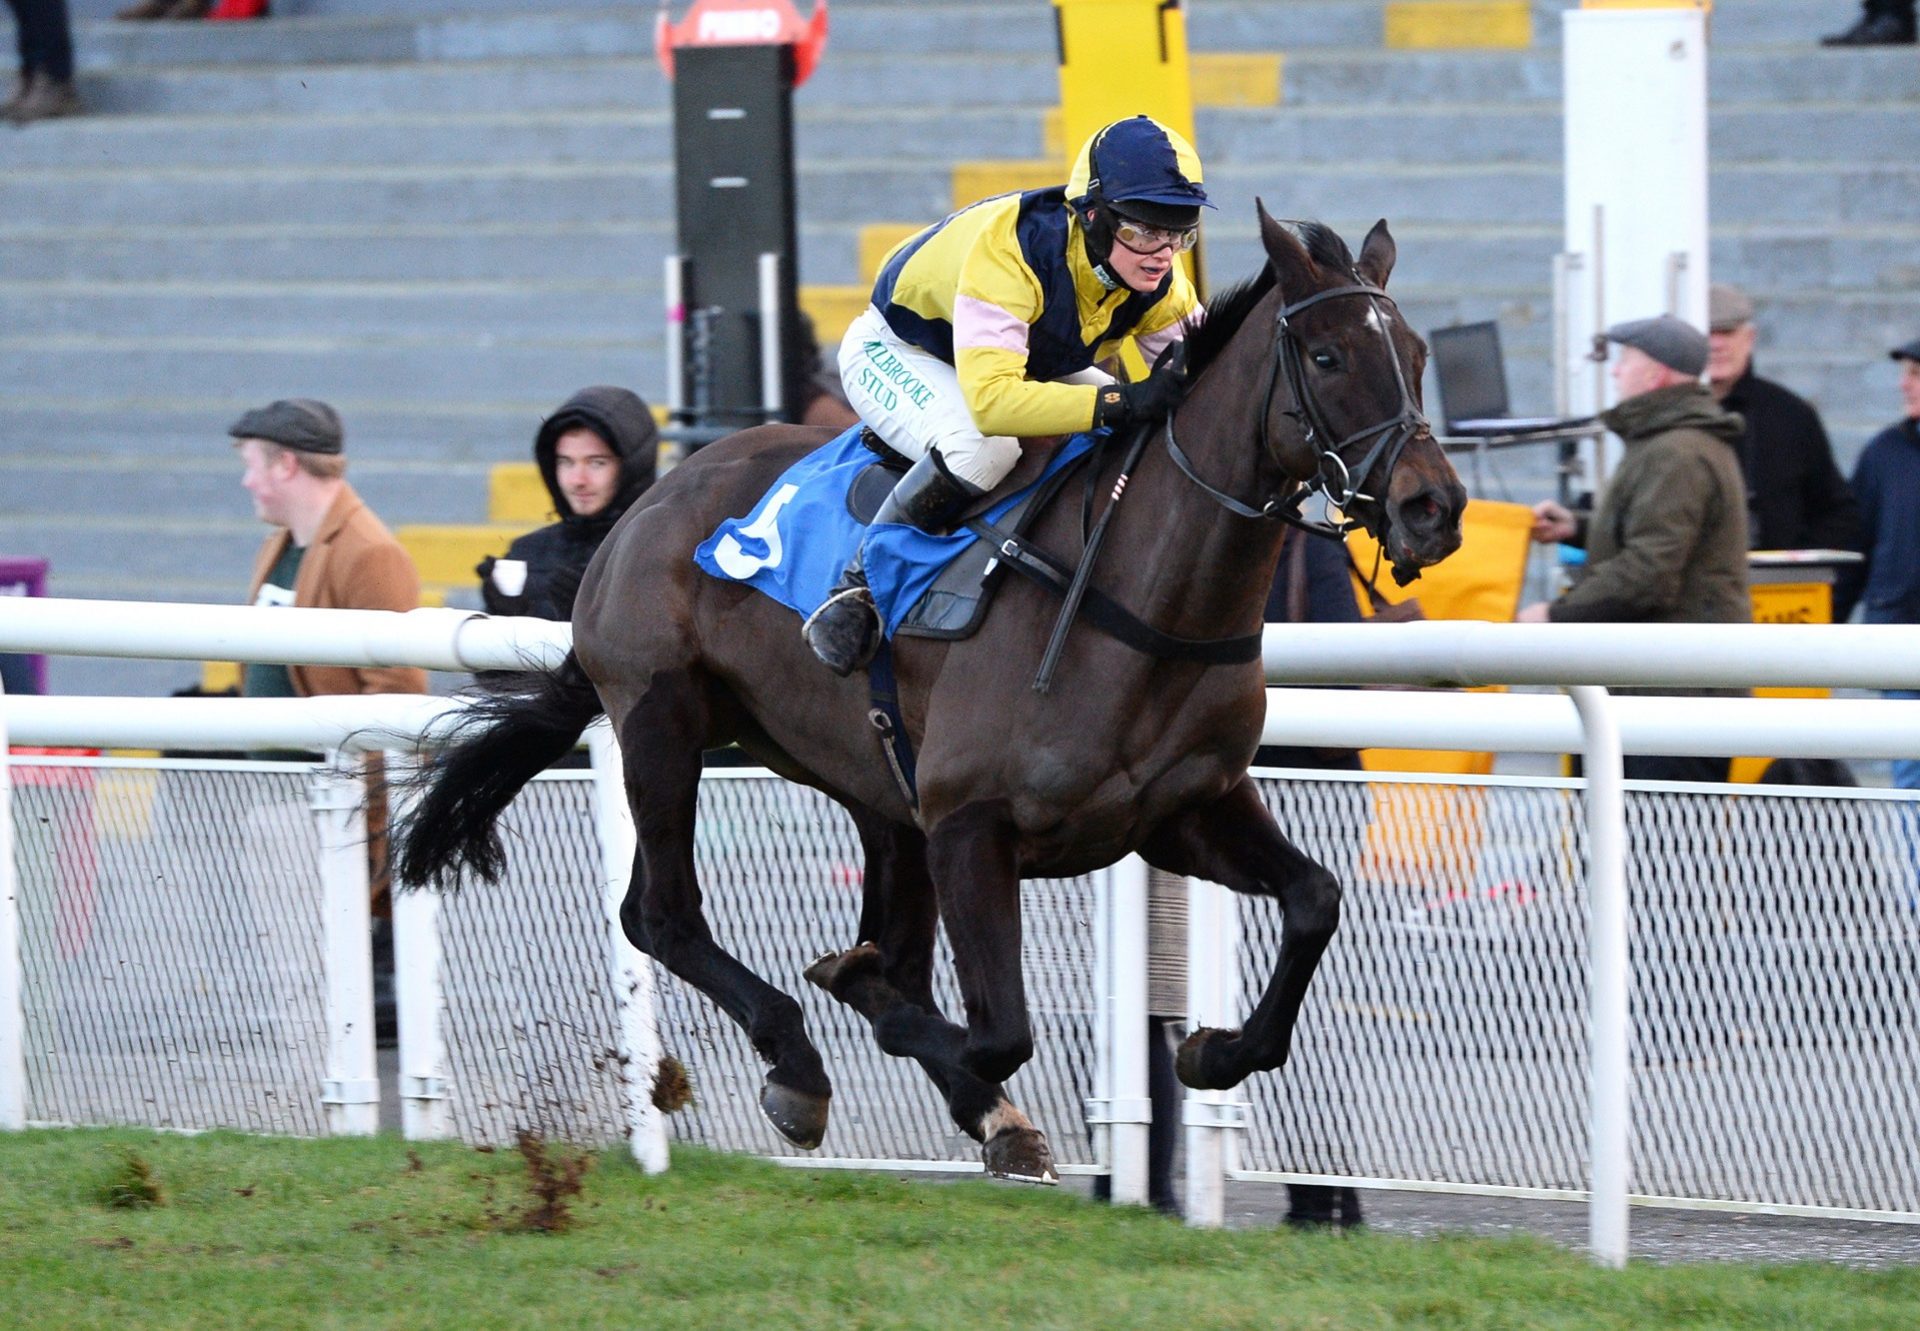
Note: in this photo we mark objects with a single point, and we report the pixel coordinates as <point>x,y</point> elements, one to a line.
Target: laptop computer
<point>1472,378</point>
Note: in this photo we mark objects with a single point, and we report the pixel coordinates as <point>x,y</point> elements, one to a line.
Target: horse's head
<point>1343,402</point>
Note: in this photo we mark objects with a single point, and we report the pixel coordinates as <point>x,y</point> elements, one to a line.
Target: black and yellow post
<point>1121,58</point>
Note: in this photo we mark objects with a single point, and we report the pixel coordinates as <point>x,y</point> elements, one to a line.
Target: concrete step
<point>138,485</point>
<point>869,81</point>
<point>398,438</point>
<point>1491,133</point>
<point>490,138</point>
<point>1788,73</point>
<point>240,370</point>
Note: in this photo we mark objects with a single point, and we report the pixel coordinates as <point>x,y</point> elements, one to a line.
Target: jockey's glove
<point>1151,398</point>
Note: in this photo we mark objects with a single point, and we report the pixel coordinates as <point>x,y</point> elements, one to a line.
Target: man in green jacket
<point>1668,544</point>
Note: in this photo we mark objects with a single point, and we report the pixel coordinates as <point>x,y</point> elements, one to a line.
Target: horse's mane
<point>1227,311</point>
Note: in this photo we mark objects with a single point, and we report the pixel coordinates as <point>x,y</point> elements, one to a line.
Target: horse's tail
<point>505,739</point>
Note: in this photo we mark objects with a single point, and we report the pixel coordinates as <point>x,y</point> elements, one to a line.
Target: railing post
<point>425,1113</point>
<point>1609,1086</point>
<point>632,973</point>
<point>13,1014</point>
<point>351,1092</point>
<point>1213,971</point>
<point>1121,1109</point>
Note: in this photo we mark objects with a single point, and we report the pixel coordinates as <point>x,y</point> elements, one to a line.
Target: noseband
<point>1332,477</point>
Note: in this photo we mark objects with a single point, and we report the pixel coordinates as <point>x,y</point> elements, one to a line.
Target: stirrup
<point>835,610</point>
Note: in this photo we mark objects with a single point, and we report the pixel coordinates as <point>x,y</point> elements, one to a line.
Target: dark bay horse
<point>1305,371</point>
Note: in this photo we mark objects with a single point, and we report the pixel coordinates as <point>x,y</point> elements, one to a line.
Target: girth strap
<point>1112,618</point>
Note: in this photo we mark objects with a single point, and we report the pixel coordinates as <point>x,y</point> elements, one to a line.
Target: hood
<point>620,418</point>
<point>1678,407</point>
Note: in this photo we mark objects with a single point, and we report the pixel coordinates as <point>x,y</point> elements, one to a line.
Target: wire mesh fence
<point>170,940</point>
<point>173,976</point>
<point>1775,952</point>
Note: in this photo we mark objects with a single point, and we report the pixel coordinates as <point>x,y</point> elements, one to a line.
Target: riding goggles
<point>1144,239</point>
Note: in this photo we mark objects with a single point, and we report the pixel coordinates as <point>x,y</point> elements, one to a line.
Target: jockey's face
<point>1141,272</point>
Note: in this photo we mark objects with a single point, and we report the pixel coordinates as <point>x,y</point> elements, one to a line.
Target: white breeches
<point>913,401</point>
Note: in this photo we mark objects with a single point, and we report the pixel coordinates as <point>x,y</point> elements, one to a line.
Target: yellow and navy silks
<point>1005,293</point>
<point>795,543</point>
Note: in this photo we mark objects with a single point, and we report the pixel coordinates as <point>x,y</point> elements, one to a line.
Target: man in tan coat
<point>327,550</point>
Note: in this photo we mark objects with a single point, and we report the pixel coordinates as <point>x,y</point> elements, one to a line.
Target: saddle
<point>955,606</point>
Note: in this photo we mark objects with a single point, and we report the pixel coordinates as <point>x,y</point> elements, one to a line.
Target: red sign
<point>746,23</point>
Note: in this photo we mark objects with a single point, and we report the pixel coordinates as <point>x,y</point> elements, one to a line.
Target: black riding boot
<point>845,631</point>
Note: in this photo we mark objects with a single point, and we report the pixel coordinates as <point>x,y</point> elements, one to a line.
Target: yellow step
<point>1458,25</point>
<point>974,181</point>
<point>515,493</point>
<point>877,240</point>
<point>1236,78</point>
<point>832,308</point>
<point>446,552</point>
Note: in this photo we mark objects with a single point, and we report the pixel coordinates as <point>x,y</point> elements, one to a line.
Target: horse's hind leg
<point>888,979</point>
<point>660,737</point>
<point>1235,842</point>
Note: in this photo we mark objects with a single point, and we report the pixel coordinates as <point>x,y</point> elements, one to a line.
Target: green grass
<point>266,1232</point>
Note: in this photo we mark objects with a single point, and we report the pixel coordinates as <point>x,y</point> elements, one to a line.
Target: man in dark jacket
<point>1887,479</point>
<point>597,455</point>
<point>1796,498</point>
<point>1669,542</point>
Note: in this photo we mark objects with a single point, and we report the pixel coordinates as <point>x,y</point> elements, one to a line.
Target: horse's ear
<point>1292,265</point>
<point>1377,254</point>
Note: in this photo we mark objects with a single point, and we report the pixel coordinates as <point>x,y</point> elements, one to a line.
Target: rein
<point>1332,477</point>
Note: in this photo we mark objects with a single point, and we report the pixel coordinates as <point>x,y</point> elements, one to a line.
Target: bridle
<point>1332,477</point>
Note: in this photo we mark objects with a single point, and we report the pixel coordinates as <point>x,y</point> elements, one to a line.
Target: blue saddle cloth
<point>797,540</point>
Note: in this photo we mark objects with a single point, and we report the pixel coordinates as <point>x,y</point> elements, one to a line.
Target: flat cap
<point>1675,343</point>
<point>1727,308</point>
<point>1907,351</point>
<point>301,423</point>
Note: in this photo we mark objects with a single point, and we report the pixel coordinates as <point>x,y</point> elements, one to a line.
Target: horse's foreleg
<point>976,879</point>
<point>1235,842</point>
<point>888,979</point>
<point>660,737</point>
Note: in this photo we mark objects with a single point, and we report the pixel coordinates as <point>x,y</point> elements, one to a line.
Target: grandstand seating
<point>447,223</point>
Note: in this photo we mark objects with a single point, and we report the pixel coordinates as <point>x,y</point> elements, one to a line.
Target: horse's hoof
<point>1197,1062</point>
<point>801,1118</point>
<point>835,968</point>
<point>1020,1154</point>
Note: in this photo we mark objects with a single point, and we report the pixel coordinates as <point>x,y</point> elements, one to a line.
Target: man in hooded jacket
<point>597,455</point>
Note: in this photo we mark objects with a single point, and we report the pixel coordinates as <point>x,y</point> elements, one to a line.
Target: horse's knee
<point>1313,904</point>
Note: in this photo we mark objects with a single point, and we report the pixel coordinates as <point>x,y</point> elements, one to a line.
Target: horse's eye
<point>1326,360</point>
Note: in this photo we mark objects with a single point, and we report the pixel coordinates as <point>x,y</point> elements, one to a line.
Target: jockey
<point>985,329</point>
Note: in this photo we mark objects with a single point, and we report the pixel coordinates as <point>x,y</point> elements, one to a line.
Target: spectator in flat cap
<point>1668,544</point>
<point>1796,497</point>
<point>327,549</point>
<point>1887,482</point>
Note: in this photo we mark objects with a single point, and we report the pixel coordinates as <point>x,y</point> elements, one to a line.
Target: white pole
<point>1635,97</point>
<point>1610,1087</point>
<point>1213,957</point>
<point>632,973</point>
<point>13,1014</point>
<point>351,1092</point>
<point>1130,1111</point>
<point>773,397</point>
<point>1106,1040</point>
<point>425,1113</point>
